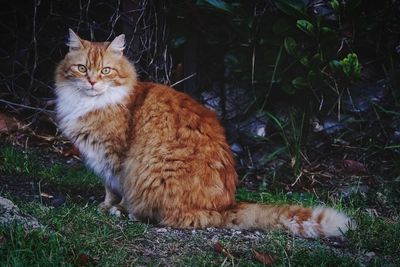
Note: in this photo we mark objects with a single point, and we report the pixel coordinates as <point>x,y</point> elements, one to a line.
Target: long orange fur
<point>162,156</point>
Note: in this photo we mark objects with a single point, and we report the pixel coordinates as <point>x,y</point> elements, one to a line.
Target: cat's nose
<point>92,82</point>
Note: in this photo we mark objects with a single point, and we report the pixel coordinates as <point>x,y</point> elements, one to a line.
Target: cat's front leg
<point>119,209</point>
<point>110,200</point>
<point>122,209</point>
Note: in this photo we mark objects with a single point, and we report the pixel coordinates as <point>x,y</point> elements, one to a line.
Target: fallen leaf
<point>353,166</point>
<point>263,258</point>
<point>3,126</point>
<point>8,123</point>
<point>218,247</point>
<point>71,151</point>
<point>83,259</point>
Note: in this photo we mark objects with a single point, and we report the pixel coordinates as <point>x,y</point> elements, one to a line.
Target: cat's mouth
<point>93,92</point>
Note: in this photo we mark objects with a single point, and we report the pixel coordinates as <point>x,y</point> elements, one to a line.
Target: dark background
<point>287,78</point>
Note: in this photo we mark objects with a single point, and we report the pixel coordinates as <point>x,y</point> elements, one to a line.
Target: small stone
<point>237,232</point>
<point>161,230</point>
<point>370,254</point>
<point>214,238</point>
<point>57,201</point>
<point>11,214</point>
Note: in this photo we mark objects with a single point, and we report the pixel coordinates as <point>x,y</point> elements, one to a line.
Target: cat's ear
<point>74,42</point>
<point>117,45</point>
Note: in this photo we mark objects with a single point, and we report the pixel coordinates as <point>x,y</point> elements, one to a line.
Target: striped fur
<point>162,156</point>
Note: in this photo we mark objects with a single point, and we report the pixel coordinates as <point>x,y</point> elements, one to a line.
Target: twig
<point>297,178</point>
<point>25,106</point>
<point>184,79</point>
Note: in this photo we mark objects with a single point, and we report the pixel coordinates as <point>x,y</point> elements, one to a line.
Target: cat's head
<point>95,68</point>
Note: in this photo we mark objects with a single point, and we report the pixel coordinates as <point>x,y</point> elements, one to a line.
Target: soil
<point>27,189</point>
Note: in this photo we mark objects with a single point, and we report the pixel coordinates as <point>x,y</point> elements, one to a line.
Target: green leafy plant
<point>293,137</point>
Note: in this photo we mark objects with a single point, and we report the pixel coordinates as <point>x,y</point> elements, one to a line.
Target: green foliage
<point>292,7</point>
<point>287,49</point>
<point>217,4</point>
<point>15,161</point>
<point>292,133</point>
<point>350,66</point>
<point>319,50</point>
<point>306,26</point>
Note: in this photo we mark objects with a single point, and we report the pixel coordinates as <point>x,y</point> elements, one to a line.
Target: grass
<point>76,234</point>
<point>305,199</point>
<point>14,161</point>
<point>284,251</point>
<point>61,175</point>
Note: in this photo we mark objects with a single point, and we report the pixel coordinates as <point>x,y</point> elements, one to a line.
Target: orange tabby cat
<point>162,156</point>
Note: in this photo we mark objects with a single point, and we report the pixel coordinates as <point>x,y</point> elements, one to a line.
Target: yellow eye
<point>106,70</point>
<point>82,68</point>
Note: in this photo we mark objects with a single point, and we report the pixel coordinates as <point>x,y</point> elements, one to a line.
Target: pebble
<point>370,254</point>
<point>161,230</point>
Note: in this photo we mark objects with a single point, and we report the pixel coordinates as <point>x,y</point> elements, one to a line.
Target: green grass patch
<point>62,175</point>
<point>376,234</point>
<point>74,234</point>
<point>35,248</point>
<point>77,232</point>
<point>305,199</point>
<point>14,161</point>
<point>283,250</point>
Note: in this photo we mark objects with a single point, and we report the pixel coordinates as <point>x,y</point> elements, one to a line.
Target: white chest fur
<point>71,106</point>
<point>95,159</point>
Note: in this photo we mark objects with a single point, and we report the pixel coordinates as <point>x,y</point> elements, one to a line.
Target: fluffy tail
<point>298,220</point>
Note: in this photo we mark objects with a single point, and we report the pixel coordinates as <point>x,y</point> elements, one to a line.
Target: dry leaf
<point>71,152</point>
<point>218,247</point>
<point>353,166</point>
<point>3,126</point>
<point>8,123</point>
<point>83,259</point>
<point>263,258</point>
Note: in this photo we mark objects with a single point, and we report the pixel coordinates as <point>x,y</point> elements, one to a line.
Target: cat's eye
<point>82,68</point>
<point>106,70</point>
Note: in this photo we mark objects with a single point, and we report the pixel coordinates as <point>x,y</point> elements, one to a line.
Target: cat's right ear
<point>74,42</point>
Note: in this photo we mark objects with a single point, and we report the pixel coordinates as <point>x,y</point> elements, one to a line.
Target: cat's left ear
<point>117,45</point>
<point>74,42</point>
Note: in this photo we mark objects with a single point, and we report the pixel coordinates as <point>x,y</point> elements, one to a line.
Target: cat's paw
<point>104,208</point>
<point>115,211</point>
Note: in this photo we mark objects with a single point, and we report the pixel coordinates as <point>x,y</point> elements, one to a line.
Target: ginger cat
<point>162,156</point>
